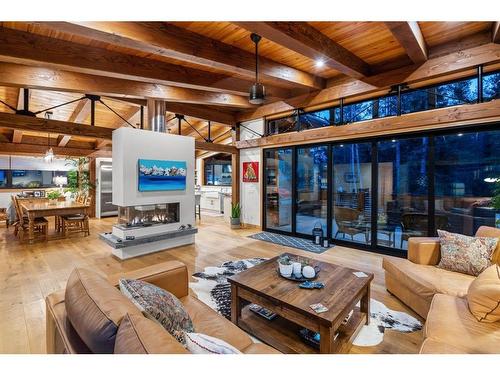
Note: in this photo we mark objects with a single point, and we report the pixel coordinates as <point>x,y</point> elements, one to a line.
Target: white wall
<point>250,192</point>
<point>130,145</point>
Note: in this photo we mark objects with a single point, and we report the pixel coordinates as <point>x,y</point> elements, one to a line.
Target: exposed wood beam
<point>129,115</point>
<point>495,32</point>
<point>432,69</point>
<point>221,116</point>
<point>59,80</point>
<point>215,147</point>
<point>307,41</point>
<point>29,149</point>
<point>81,111</point>
<point>463,115</point>
<point>20,99</point>
<point>411,39</point>
<point>175,42</point>
<point>36,124</point>
<point>101,143</point>
<point>17,136</point>
<point>202,113</point>
<point>63,140</point>
<point>32,49</point>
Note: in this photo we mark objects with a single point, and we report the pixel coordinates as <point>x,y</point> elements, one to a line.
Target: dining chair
<point>21,226</point>
<point>78,223</point>
<point>4,216</point>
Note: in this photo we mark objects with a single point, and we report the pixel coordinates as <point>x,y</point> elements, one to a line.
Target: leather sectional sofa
<point>99,319</point>
<point>437,295</point>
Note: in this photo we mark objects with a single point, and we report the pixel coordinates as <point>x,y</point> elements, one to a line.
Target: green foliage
<point>285,260</point>
<point>54,194</point>
<point>495,201</point>
<point>235,210</point>
<point>79,177</point>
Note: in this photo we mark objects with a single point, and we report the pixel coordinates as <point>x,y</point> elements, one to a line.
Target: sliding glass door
<point>403,191</point>
<point>312,188</point>
<point>378,193</point>
<point>351,200</point>
<point>278,189</point>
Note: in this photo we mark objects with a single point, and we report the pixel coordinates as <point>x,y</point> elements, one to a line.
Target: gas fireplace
<point>148,215</point>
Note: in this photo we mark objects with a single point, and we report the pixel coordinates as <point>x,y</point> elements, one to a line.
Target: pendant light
<point>257,91</point>
<point>49,154</point>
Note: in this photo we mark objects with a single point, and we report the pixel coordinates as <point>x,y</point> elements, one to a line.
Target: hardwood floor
<point>28,273</point>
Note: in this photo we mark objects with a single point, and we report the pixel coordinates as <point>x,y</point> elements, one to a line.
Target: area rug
<point>214,290</point>
<point>298,243</point>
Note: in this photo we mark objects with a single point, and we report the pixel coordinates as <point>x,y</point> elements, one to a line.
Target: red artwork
<point>250,171</point>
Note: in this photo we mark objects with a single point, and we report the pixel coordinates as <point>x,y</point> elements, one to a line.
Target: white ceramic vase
<point>308,272</point>
<point>286,269</point>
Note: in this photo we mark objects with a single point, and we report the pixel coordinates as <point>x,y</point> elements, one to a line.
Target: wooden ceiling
<point>202,69</point>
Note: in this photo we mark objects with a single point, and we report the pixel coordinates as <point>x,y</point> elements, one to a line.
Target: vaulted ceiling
<point>203,70</point>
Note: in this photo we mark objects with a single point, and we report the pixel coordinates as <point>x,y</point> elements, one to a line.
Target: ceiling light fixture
<point>257,91</point>
<point>49,154</point>
<point>320,63</point>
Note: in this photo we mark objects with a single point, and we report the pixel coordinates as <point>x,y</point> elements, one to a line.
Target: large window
<point>491,86</point>
<point>352,179</point>
<point>458,92</point>
<point>3,178</point>
<point>379,193</point>
<point>403,199</point>
<point>278,196</point>
<point>467,167</point>
<point>28,179</point>
<point>218,171</point>
<point>312,184</point>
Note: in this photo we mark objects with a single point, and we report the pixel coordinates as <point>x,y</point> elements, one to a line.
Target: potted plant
<point>285,265</point>
<point>235,215</point>
<point>53,196</point>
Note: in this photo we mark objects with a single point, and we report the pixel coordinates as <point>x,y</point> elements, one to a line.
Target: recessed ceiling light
<point>320,63</point>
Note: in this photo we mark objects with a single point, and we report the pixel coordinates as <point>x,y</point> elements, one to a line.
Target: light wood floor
<point>28,273</point>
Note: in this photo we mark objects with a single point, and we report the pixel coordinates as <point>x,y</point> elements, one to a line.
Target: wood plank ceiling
<point>202,69</point>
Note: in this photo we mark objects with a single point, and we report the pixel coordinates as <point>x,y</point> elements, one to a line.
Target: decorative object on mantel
<point>213,289</point>
<point>235,216</point>
<point>251,171</point>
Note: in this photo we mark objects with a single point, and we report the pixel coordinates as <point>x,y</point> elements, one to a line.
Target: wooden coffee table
<point>263,286</point>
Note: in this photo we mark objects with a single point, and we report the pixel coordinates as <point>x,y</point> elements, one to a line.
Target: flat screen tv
<point>161,175</point>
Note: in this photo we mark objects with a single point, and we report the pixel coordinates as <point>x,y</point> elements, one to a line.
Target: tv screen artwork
<point>161,175</point>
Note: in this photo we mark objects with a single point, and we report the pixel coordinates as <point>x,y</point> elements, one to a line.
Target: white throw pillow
<point>198,343</point>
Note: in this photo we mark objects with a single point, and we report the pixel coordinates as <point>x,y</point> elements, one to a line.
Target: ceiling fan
<point>257,91</point>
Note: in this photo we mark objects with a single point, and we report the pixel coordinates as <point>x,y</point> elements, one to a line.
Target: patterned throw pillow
<point>198,343</point>
<point>465,254</point>
<point>159,305</point>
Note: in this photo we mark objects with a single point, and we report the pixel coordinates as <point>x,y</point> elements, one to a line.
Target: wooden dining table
<point>47,208</point>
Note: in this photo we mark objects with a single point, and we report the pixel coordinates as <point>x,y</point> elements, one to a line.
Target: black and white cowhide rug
<point>214,290</point>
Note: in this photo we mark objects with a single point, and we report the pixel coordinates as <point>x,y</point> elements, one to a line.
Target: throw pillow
<point>198,343</point>
<point>465,254</point>
<point>483,296</point>
<point>140,335</point>
<point>159,305</point>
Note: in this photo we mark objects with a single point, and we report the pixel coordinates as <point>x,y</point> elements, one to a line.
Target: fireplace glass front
<point>147,215</point>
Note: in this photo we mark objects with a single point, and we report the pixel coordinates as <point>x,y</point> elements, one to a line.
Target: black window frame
<point>373,247</point>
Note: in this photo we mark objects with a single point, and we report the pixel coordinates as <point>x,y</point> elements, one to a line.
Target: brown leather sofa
<point>437,295</point>
<point>92,316</point>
